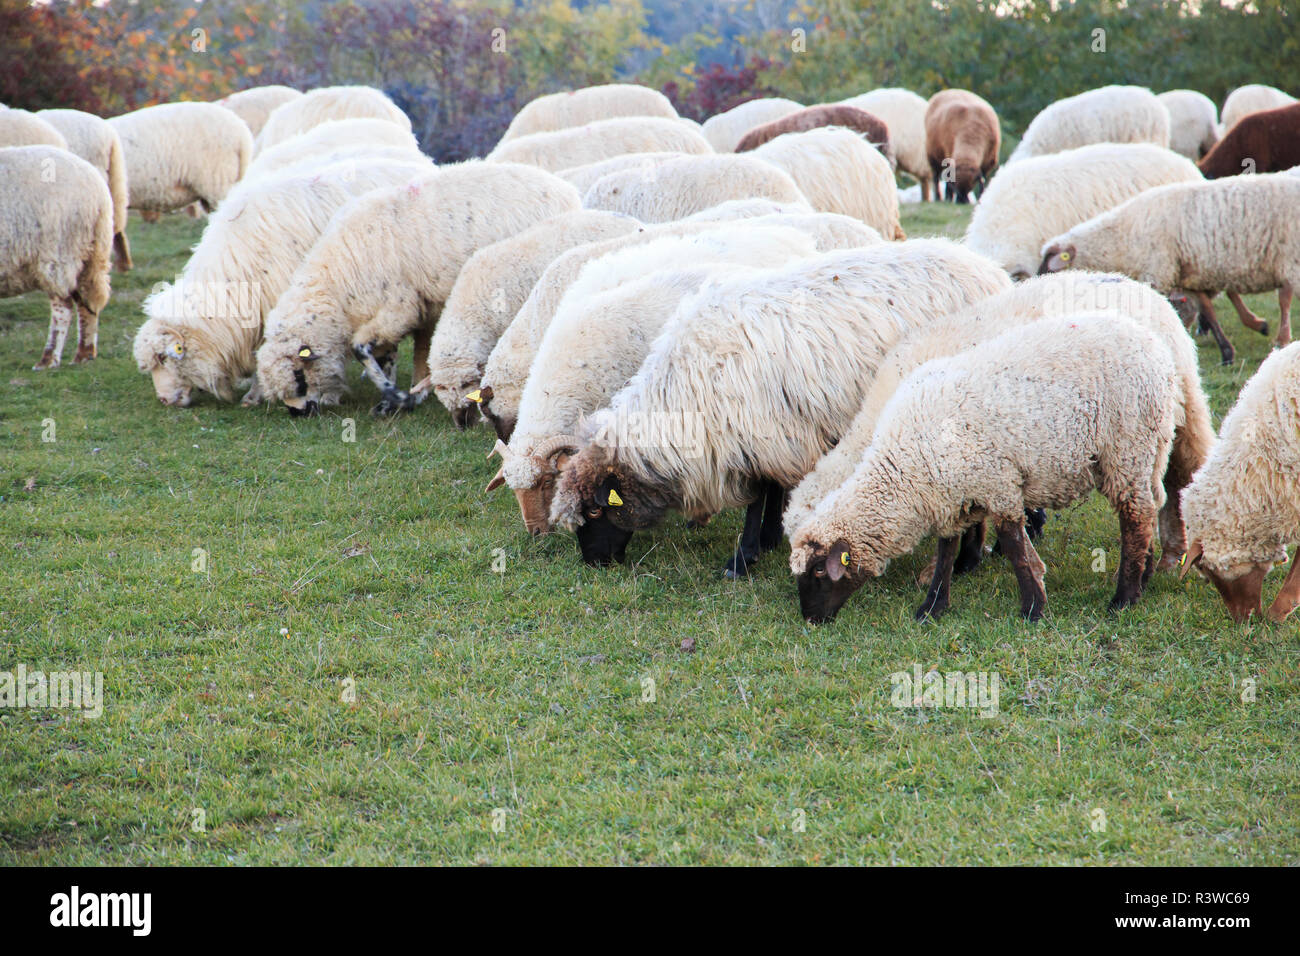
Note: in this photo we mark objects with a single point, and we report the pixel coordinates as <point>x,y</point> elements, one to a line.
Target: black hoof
<point>1264,330</point>
<point>393,403</point>
<point>310,410</point>
<point>930,612</point>
<point>738,566</point>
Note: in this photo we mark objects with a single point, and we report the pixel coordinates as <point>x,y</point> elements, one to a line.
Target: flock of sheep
<point>658,315</point>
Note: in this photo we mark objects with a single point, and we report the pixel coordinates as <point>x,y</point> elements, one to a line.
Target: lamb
<point>904,113</point>
<point>1263,142</point>
<point>579,145</point>
<point>724,131</point>
<point>384,269</point>
<point>332,137</point>
<point>254,105</point>
<point>690,184</point>
<point>327,103</point>
<point>1240,234</point>
<point>1252,98</point>
<point>1193,122</point>
<point>1109,114</point>
<point>490,290</point>
<point>597,342</point>
<point>56,237</point>
<point>712,421</point>
<point>840,173</point>
<point>557,111</point>
<point>95,141</point>
<point>1049,296</point>
<point>962,140</point>
<point>1242,508</point>
<point>1031,201</point>
<point>202,332</point>
<point>1035,418</point>
<point>21,128</point>
<point>182,153</point>
<point>868,125</point>
<point>512,356</point>
<point>584,177</point>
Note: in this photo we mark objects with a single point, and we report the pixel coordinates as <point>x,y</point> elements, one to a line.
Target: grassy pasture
<point>499,716</point>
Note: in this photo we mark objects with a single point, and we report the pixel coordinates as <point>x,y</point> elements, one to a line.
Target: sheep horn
<point>555,444</point>
<point>422,385</point>
<point>502,449</point>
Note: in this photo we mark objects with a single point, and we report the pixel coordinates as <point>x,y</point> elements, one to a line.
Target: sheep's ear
<point>1190,559</point>
<point>837,562</point>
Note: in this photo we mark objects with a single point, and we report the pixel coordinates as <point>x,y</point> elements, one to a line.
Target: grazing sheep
<point>597,342</point>
<point>1263,142</point>
<point>490,290</point>
<point>1240,234</point>
<point>512,356</point>
<point>904,113</point>
<point>690,184</point>
<point>585,176</point>
<point>581,145</point>
<point>1031,201</point>
<point>870,127</point>
<point>56,237</point>
<point>95,141</point>
<point>1243,507</point>
<point>1252,98</point>
<point>1035,418</point>
<point>1049,296</point>
<point>1193,122</point>
<point>962,139</point>
<point>299,115</point>
<point>725,130</point>
<point>1109,114</point>
<point>254,105</point>
<point>749,385</point>
<point>334,136</point>
<point>383,270</point>
<point>21,128</point>
<point>839,172</point>
<point>182,153</point>
<point>556,111</point>
<point>202,332</point>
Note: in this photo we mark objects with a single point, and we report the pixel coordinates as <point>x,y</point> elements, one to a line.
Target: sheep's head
<point>603,504</point>
<point>532,477</point>
<point>826,574</point>
<point>159,350</point>
<point>303,367</point>
<point>1239,583</point>
<point>503,425</point>
<point>1058,257</point>
<point>459,392</point>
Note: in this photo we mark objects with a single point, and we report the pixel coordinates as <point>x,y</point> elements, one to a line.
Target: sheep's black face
<point>826,584</point>
<point>600,541</point>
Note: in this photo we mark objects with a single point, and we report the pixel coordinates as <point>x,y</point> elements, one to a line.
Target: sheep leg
<point>936,599</point>
<point>1284,315</point>
<point>971,552</point>
<point>393,399</point>
<point>61,312</point>
<point>1135,555</point>
<point>87,335</point>
<point>1209,318</point>
<point>1027,564</point>
<point>1289,596</point>
<point>1173,533</point>
<point>121,252</point>
<point>748,552</point>
<point>925,190</point>
<point>769,535</point>
<point>254,394</point>
<point>422,338</point>
<point>1248,318</point>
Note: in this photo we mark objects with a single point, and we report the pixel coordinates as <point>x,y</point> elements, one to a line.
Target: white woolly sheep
<point>725,130</point>
<point>584,177</point>
<point>690,184</point>
<point>1035,418</point>
<point>556,111</point>
<point>56,237</point>
<point>580,145</point>
<point>507,367</point>
<point>21,128</point>
<point>1049,296</point>
<point>181,153</point>
<point>597,342</point>
<point>255,105</point>
<point>1038,198</point>
<point>904,113</point>
<point>202,332</point>
<point>327,103</point>
<point>95,141</point>
<point>1240,234</point>
<point>1243,507</point>
<point>490,290</point>
<point>331,137</point>
<point>1252,98</point>
<point>1109,114</point>
<point>1193,122</point>
<point>839,172</point>
<point>384,269</point>
<point>747,209</point>
<point>749,385</point>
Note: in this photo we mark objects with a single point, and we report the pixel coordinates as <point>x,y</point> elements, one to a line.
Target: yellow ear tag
<point>614,499</point>
<point>304,352</point>
<point>844,558</point>
<point>476,396</point>
<point>1065,257</point>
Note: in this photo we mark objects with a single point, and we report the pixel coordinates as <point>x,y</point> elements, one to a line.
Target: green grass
<point>521,691</point>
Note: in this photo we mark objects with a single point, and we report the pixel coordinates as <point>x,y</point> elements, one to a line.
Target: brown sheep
<point>1270,140</point>
<point>835,114</point>
<point>962,139</point>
